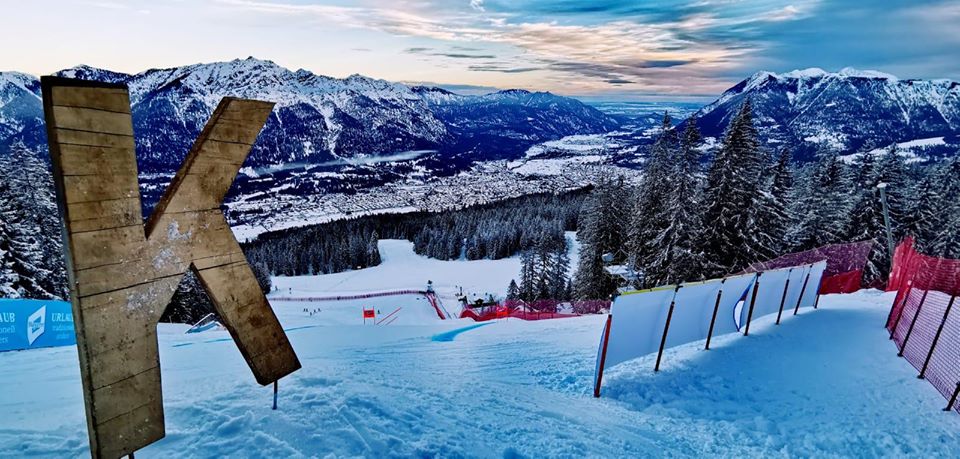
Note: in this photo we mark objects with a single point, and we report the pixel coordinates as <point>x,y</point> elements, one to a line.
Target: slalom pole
<point>803,290</point>
<point>753,302</point>
<point>713,320</point>
<point>914,322</point>
<point>275,390</point>
<point>666,328</point>
<point>783,299</point>
<point>933,346</point>
<point>603,356</point>
<point>953,399</point>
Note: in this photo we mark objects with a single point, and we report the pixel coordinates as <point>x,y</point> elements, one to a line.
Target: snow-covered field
<point>826,383</point>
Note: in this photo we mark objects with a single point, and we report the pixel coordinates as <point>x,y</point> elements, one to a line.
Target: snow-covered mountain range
<point>317,119</point>
<point>847,111</point>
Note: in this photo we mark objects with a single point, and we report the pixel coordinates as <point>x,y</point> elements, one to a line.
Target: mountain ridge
<point>850,110</point>
<point>317,118</point>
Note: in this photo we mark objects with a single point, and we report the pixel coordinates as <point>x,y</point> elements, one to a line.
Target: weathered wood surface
<point>123,273</point>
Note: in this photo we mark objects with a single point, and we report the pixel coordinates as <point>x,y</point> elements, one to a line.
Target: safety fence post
<point>803,290</point>
<point>666,328</point>
<point>910,330</point>
<point>753,301</point>
<point>903,305</point>
<point>936,338</point>
<point>783,299</point>
<point>603,356</point>
<point>953,399</point>
<point>713,320</point>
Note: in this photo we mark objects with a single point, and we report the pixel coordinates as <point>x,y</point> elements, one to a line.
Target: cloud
<point>452,55</point>
<point>681,48</point>
<point>502,69</point>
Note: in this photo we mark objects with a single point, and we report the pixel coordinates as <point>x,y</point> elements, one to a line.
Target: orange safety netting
<point>924,320</point>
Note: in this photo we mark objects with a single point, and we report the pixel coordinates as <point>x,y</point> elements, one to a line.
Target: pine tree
<point>674,254</point>
<point>262,274</point>
<point>822,204</point>
<point>731,193</point>
<point>513,290</point>
<point>601,231</point>
<point>772,217</point>
<point>32,264</point>
<point>373,250</point>
<point>866,222</point>
<point>943,231</point>
<point>649,213</point>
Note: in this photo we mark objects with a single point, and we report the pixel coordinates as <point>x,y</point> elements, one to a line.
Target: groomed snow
<point>826,383</point>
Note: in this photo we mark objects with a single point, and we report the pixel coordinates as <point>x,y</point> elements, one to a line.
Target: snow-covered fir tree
<point>773,216</point>
<point>648,214</point>
<point>822,204</point>
<point>602,230</point>
<point>543,269</point>
<point>513,290</point>
<point>675,254</point>
<point>943,233</point>
<point>730,238</point>
<point>32,265</point>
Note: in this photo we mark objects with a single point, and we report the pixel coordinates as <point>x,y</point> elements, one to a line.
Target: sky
<point>602,49</point>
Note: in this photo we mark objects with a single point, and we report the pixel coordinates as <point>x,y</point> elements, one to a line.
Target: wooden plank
<point>235,131</point>
<point>87,119</point>
<point>99,215</point>
<point>133,430</point>
<point>245,312</point>
<point>108,278</point>
<point>97,160</point>
<point>97,139</point>
<point>91,188</point>
<point>110,99</point>
<point>113,401</point>
<point>223,152</point>
<point>108,246</point>
<point>201,192</point>
<point>112,365</point>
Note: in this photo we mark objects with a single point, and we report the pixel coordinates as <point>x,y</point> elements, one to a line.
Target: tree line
<point>693,218</point>
<point>489,231</point>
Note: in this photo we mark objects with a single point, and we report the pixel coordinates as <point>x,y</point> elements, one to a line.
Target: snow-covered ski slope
<point>402,269</point>
<point>826,383</point>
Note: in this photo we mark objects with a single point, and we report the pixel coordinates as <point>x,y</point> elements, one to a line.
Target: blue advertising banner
<point>28,324</point>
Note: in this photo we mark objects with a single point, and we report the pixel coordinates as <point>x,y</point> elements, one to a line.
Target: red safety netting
<point>845,263</point>
<point>924,320</point>
<point>534,310</point>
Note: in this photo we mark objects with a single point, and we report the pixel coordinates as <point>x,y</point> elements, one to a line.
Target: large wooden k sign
<point>123,273</point>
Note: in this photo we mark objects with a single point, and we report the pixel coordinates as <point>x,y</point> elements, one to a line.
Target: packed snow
<point>824,383</point>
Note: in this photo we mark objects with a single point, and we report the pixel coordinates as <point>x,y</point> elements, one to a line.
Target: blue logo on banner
<point>28,324</point>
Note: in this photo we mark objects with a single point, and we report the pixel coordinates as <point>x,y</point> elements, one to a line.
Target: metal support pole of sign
<point>816,301</point>
<point>666,328</point>
<point>713,320</point>
<point>803,290</point>
<point>953,399</point>
<point>753,302</point>
<point>783,299</point>
<point>914,322</point>
<point>603,356</point>
<point>275,390</point>
<point>933,345</point>
<point>886,221</point>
